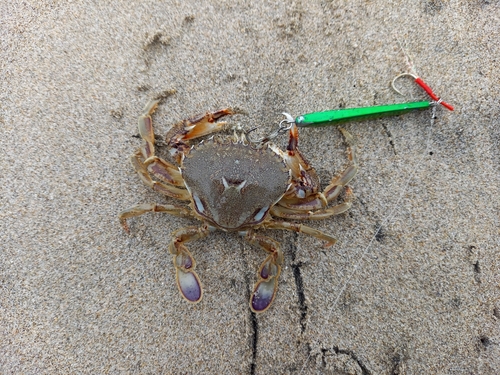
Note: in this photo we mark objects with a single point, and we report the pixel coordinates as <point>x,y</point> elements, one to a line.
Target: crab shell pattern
<point>234,185</point>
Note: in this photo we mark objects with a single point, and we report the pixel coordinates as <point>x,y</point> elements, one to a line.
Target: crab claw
<point>265,289</point>
<point>187,280</point>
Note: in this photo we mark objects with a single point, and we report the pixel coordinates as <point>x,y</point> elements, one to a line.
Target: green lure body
<point>337,116</point>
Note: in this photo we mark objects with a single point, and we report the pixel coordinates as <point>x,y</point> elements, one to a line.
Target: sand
<point>411,287</point>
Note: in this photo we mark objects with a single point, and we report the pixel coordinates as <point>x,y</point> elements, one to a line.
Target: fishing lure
<point>338,116</point>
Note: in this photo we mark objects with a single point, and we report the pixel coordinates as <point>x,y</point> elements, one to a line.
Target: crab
<point>235,185</point>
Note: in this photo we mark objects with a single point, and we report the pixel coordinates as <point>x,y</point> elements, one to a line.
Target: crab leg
<point>305,182</point>
<point>333,190</point>
<point>153,164</point>
<point>266,287</point>
<point>313,202</point>
<point>141,209</point>
<point>168,190</point>
<point>188,281</point>
<point>300,228</point>
<point>296,214</point>
<point>164,171</point>
<point>146,129</point>
<point>320,200</point>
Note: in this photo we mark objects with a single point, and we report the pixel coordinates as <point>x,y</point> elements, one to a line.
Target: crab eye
<point>198,203</point>
<point>261,213</point>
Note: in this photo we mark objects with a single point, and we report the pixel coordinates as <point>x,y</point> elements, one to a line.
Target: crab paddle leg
<point>188,281</point>
<point>266,287</point>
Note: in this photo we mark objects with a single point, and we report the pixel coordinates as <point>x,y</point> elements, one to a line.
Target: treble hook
<point>419,81</point>
<point>281,129</point>
<point>249,139</point>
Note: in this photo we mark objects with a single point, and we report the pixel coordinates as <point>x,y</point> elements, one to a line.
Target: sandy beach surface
<point>411,287</point>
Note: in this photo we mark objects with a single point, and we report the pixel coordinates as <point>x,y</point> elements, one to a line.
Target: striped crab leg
<point>147,164</point>
<point>300,200</point>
